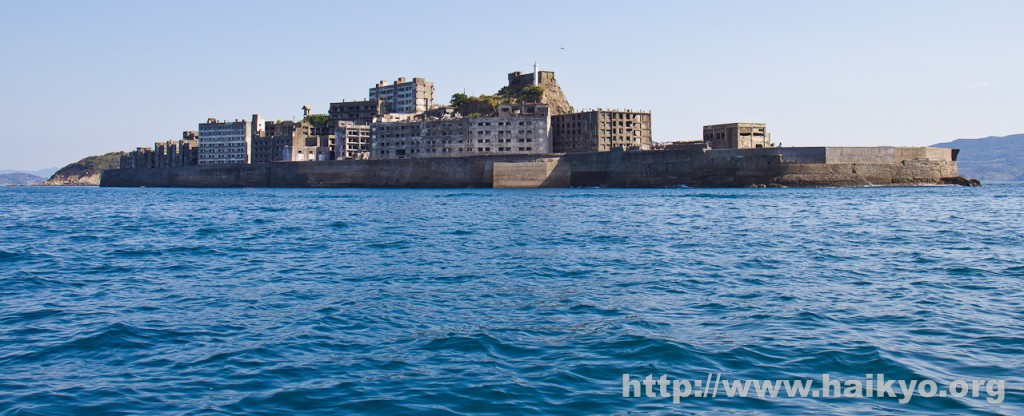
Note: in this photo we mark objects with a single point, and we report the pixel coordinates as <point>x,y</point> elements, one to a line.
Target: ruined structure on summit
<point>553,96</point>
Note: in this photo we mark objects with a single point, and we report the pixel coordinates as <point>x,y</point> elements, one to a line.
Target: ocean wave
<point>192,301</point>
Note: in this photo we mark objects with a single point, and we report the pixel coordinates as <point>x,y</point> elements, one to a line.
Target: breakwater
<point>800,166</point>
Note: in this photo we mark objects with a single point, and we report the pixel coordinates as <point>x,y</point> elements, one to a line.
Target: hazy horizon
<point>86,79</point>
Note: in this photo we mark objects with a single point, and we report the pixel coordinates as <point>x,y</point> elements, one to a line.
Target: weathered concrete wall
<point>789,154</point>
<point>885,154</point>
<point>833,155</point>
<point>933,153</point>
<point>860,155</point>
<point>549,173</point>
<point>715,168</point>
<point>636,169</point>
<point>431,173</point>
<point>912,172</point>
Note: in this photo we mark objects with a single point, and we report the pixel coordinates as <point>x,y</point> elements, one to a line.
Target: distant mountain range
<point>20,178</point>
<point>84,172</point>
<point>42,173</point>
<point>991,158</point>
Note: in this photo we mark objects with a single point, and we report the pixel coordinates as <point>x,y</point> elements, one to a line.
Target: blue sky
<point>84,78</point>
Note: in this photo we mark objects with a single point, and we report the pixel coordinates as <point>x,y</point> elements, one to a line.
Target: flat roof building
<point>516,129</point>
<point>403,96</point>
<point>359,112</point>
<point>352,141</point>
<point>737,136</point>
<point>293,141</point>
<point>228,141</point>
<point>601,131</point>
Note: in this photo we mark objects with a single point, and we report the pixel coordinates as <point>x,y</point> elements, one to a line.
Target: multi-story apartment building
<point>271,145</point>
<point>359,112</point>
<point>318,145</point>
<point>601,131</point>
<point>140,158</point>
<point>516,129</point>
<point>737,136</point>
<point>172,153</point>
<point>228,141</point>
<point>403,96</point>
<point>351,140</point>
<point>292,141</point>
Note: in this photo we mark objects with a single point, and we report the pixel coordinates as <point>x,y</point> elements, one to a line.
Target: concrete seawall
<point>811,166</point>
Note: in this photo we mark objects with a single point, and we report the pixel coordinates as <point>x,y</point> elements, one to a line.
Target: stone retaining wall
<point>820,166</point>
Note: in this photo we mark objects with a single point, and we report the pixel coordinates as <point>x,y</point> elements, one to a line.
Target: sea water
<point>481,301</point>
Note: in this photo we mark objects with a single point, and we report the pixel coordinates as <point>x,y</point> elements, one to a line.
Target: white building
<point>403,96</point>
<point>228,141</point>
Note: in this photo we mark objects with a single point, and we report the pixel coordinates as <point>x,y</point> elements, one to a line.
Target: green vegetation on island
<point>316,119</point>
<point>86,171</point>
<point>486,105</point>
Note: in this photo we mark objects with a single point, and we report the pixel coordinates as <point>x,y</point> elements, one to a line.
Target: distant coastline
<point>991,158</point>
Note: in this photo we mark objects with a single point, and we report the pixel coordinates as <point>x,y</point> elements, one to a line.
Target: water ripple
<point>363,301</point>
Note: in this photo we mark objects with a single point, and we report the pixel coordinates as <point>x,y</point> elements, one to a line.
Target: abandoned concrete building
<point>403,96</point>
<point>601,131</point>
<point>292,141</point>
<point>516,129</point>
<point>359,112</point>
<point>352,141</point>
<point>228,141</point>
<point>169,154</point>
<point>141,157</point>
<point>737,136</point>
<point>400,120</point>
<point>174,153</point>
